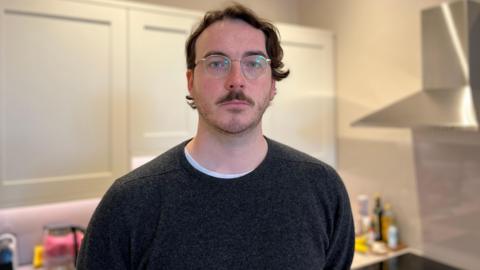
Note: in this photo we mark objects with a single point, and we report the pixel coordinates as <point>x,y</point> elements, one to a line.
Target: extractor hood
<point>450,73</point>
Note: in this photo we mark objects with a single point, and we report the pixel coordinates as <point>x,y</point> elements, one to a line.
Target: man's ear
<point>273,89</point>
<point>190,80</point>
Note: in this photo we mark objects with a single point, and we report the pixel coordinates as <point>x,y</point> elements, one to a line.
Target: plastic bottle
<point>392,236</point>
<point>387,219</point>
<point>362,200</point>
<point>8,251</point>
<point>362,225</point>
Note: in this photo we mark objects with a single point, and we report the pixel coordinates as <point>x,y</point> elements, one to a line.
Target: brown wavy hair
<point>239,12</point>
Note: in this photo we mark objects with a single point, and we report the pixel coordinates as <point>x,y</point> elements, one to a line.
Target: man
<point>229,198</point>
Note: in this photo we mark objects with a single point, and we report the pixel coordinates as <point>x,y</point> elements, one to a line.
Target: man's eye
<point>253,64</point>
<point>217,64</point>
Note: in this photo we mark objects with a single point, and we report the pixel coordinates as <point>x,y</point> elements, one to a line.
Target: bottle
<point>378,212</point>
<point>8,251</point>
<point>362,200</point>
<point>362,227</point>
<point>366,224</point>
<point>387,218</point>
<point>392,236</point>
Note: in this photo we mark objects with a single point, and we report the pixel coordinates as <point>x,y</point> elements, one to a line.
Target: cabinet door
<point>302,114</point>
<point>159,116</point>
<point>62,100</point>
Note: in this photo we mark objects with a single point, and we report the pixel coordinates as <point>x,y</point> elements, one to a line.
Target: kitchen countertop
<point>408,261</point>
<point>359,260</point>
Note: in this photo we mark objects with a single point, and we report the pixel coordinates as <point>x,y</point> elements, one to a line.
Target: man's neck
<point>228,153</point>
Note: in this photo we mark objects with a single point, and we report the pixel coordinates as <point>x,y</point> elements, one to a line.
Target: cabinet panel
<point>63,100</point>
<point>159,115</point>
<point>303,112</point>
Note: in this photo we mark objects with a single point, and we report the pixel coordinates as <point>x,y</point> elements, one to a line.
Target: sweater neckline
<point>199,167</point>
<point>256,173</point>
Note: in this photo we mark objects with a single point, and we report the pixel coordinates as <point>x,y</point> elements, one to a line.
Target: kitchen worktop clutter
<point>58,250</point>
<point>376,229</point>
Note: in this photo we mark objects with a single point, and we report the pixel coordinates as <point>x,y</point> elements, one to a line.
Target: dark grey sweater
<point>291,212</point>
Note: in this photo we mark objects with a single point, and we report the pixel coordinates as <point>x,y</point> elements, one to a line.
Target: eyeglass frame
<point>267,60</point>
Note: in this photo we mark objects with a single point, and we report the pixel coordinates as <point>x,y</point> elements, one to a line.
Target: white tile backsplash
<point>448,176</point>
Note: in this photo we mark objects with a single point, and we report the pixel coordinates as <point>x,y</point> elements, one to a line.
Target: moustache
<point>235,95</point>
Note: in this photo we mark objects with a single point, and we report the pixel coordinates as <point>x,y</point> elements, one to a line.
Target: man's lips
<point>236,102</point>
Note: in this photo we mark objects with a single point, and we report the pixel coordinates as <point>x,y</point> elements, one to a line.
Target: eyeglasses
<point>253,66</point>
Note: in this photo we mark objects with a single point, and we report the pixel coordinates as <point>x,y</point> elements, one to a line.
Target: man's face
<point>231,104</point>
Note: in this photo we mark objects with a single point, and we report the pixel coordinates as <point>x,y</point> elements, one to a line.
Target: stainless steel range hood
<point>451,73</point>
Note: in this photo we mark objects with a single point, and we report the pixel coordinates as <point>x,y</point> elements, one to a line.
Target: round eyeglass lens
<point>254,66</point>
<point>217,65</point>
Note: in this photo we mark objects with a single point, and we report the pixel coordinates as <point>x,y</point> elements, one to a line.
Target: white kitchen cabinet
<point>159,116</point>
<point>302,114</point>
<point>62,100</point>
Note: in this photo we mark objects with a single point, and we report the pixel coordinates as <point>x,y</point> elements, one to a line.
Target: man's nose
<point>235,79</point>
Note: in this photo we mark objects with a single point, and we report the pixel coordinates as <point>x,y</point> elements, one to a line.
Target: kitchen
<point>377,62</point>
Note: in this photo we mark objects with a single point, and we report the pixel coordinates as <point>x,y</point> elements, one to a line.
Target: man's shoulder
<point>287,153</point>
<point>300,162</point>
<point>164,164</point>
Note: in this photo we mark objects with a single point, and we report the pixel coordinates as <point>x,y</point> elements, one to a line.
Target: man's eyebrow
<point>215,53</point>
<point>255,53</point>
<point>248,53</point>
